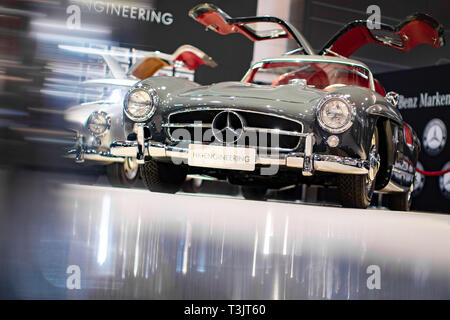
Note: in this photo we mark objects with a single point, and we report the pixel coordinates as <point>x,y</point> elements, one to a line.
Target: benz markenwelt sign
<point>424,100</point>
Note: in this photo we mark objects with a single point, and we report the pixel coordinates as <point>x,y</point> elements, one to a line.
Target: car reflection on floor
<point>69,241</point>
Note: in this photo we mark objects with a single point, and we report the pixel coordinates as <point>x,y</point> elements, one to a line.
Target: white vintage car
<point>97,124</point>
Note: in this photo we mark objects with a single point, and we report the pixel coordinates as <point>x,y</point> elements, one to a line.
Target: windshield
<point>320,75</point>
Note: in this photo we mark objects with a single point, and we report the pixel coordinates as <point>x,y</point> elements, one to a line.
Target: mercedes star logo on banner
<point>434,137</point>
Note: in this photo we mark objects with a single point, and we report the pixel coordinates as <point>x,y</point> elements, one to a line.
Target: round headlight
<point>335,115</point>
<point>98,123</point>
<point>140,104</point>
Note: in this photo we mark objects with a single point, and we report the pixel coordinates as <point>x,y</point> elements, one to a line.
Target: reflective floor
<point>57,236</point>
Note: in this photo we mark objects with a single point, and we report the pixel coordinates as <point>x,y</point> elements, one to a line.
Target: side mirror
<point>393,98</point>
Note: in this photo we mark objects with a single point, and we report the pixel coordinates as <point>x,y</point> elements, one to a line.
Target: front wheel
<point>163,177</point>
<point>357,190</point>
<point>124,174</point>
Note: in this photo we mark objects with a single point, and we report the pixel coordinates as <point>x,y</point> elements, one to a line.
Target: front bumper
<point>82,152</point>
<point>307,161</point>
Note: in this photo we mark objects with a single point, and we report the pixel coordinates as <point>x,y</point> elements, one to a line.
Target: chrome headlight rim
<point>107,125</point>
<point>351,109</point>
<point>153,97</point>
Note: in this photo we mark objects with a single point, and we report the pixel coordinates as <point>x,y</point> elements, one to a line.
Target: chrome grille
<point>288,132</point>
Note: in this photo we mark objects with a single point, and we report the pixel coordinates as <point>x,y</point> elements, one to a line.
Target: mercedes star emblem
<point>228,127</point>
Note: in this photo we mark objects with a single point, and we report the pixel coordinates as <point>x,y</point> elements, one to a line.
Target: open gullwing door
<point>416,29</point>
<point>254,28</point>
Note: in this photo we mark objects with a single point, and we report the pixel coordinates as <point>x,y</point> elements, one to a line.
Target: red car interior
<point>320,75</point>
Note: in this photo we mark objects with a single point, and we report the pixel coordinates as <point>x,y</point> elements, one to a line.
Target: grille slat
<point>282,134</point>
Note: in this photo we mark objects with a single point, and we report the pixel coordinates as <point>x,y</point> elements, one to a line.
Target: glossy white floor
<point>123,243</point>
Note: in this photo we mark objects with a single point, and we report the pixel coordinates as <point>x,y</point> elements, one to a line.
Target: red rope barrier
<point>432,173</point>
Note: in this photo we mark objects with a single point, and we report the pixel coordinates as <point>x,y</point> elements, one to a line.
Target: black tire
<point>254,193</point>
<point>163,177</point>
<point>120,176</point>
<point>399,201</point>
<point>357,190</point>
<point>354,191</point>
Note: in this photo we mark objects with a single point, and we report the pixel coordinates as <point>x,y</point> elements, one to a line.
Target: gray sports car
<point>302,118</point>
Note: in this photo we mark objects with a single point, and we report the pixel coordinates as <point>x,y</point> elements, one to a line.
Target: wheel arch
<point>386,150</point>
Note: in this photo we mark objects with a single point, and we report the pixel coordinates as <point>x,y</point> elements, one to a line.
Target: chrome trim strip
<point>275,131</point>
<point>278,149</point>
<point>186,125</point>
<point>124,149</point>
<point>343,160</point>
<point>93,155</point>
<point>327,163</point>
<point>308,164</point>
<point>401,171</point>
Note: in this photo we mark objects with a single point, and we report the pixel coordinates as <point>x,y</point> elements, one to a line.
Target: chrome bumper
<point>82,152</point>
<point>92,155</point>
<point>307,161</point>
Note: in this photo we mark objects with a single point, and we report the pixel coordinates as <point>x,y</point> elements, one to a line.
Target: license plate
<point>233,158</point>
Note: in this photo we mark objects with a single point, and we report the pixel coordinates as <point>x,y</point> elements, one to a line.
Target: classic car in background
<point>302,118</point>
<point>97,124</point>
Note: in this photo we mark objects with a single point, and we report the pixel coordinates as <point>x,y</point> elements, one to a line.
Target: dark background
<point>411,83</point>
<point>324,18</point>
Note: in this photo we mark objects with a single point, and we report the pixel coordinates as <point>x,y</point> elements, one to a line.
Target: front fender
<point>369,107</point>
<point>384,111</point>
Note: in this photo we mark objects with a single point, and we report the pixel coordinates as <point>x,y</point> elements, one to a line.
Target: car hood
<point>293,99</point>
